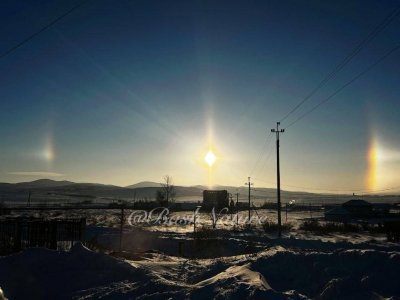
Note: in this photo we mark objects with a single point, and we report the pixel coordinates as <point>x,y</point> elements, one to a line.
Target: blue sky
<point>123,91</point>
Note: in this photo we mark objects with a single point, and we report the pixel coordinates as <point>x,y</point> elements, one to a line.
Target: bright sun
<point>210,158</point>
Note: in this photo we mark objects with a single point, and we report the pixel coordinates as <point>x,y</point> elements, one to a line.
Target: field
<point>226,262</point>
<point>181,255</point>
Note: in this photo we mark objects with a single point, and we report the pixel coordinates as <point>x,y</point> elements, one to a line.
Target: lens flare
<point>373,161</point>
<point>383,164</point>
<point>48,153</point>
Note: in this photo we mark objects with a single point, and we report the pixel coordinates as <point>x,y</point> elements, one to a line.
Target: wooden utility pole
<point>231,208</point>
<point>237,208</point>
<point>194,222</point>
<point>249,184</point>
<point>121,229</point>
<point>277,131</point>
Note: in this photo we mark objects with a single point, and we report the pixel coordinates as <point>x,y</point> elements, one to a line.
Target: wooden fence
<point>21,233</point>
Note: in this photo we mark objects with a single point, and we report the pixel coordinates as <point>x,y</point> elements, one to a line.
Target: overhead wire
<point>45,27</point>
<point>366,70</point>
<point>267,157</point>
<point>262,152</point>
<point>332,190</point>
<point>379,28</point>
<point>335,71</point>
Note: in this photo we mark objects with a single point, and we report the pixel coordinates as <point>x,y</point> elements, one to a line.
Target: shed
<point>217,199</point>
<point>358,208</point>
<point>338,214</point>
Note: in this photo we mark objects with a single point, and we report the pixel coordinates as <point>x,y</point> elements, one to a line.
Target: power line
<point>366,70</point>
<point>267,157</point>
<point>26,40</point>
<point>383,190</point>
<point>262,152</point>
<point>347,59</point>
<point>330,190</point>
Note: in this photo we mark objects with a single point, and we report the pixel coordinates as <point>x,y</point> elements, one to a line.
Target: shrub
<point>205,232</point>
<point>273,227</point>
<point>329,227</point>
<point>392,230</point>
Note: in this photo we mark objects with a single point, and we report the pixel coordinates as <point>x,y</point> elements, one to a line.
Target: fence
<point>20,233</point>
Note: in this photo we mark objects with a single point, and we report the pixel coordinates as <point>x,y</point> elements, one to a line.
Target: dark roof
<point>356,202</point>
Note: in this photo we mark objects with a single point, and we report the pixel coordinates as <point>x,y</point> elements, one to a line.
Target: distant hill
<point>43,183</point>
<point>143,184</point>
<point>52,190</point>
<point>63,190</point>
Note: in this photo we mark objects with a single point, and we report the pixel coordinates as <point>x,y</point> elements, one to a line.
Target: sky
<point>119,92</point>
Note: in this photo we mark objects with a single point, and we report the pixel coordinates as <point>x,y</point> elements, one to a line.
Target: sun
<point>210,158</point>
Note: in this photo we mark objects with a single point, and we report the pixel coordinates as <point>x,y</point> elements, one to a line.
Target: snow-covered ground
<point>288,269</point>
<point>105,229</point>
<point>159,263</point>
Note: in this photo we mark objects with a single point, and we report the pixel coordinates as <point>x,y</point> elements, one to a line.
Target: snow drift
<point>275,273</point>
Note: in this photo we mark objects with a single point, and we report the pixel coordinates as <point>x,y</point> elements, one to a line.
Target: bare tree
<point>167,191</point>
<point>160,197</point>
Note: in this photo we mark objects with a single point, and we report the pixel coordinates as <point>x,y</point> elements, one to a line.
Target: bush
<point>4,210</point>
<point>392,230</point>
<point>324,228</point>
<point>273,227</point>
<point>205,232</point>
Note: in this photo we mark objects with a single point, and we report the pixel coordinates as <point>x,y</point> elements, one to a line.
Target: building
<point>338,214</point>
<point>218,199</point>
<point>357,209</point>
<point>381,209</point>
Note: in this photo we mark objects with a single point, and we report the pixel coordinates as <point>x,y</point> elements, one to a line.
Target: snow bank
<point>2,297</point>
<point>236,282</point>
<point>352,274</point>
<point>38,273</point>
<point>278,272</point>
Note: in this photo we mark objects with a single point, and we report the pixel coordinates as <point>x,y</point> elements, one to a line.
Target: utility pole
<point>231,207</point>
<point>121,228</point>
<point>194,221</point>
<point>249,184</point>
<point>277,131</point>
<point>237,209</point>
